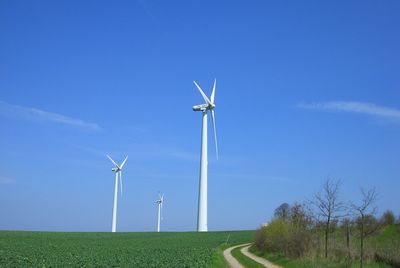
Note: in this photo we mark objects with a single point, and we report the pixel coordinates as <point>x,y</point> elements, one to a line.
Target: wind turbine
<point>159,202</point>
<point>117,169</point>
<point>204,108</point>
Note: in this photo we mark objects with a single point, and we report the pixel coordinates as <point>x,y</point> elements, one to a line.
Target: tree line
<point>326,228</point>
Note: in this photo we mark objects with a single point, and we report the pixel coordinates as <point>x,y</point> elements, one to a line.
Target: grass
<point>40,249</point>
<point>244,260</point>
<point>319,263</point>
<point>281,260</point>
<point>387,245</point>
<point>218,260</point>
<point>390,233</point>
<point>381,250</point>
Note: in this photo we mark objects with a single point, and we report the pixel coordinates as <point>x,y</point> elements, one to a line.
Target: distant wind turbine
<point>159,202</point>
<point>118,172</point>
<point>204,108</point>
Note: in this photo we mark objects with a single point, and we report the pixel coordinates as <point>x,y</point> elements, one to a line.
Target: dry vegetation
<point>326,233</point>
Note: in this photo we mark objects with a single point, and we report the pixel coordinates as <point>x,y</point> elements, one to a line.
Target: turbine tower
<point>118,173</point>
<point>159,202</point>
<point>204,108</point>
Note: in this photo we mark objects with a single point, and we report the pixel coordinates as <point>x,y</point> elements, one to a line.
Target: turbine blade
<point>120,181</point>
<point>123,163</point>
<point>115,164</point>
<point>202,93</point>
<point>213,91</point>
<point>215,132</point>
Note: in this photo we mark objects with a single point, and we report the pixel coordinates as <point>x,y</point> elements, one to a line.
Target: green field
<point>43,249</point>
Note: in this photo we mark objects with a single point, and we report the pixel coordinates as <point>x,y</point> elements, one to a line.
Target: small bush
<point>276,234</point>
<point>259,240</point>
<point>280,236</point>
<point>388,218</point>
<point>298,243</point>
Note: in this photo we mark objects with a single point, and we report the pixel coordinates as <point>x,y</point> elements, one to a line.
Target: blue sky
<point>305,90</point>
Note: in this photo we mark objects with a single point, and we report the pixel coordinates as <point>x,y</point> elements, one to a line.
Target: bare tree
<point>328,206</point>
<point>282,212</point>
<point>365,210</point>
<point>346,227</point>
<point>300,217</point>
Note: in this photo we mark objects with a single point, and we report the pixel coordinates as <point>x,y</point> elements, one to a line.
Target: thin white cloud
<point>167,153</point>
<point>151,151</point>
<point>170,152</point>
<point>354,107</point>
<point>171,176</point>
<point>246,177</point>
<point>6,180</point>
<point>40,115</point>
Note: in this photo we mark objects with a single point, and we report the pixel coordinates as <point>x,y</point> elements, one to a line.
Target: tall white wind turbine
<point>118,173</point>
<point>204,108</point>
<point>159,203</point>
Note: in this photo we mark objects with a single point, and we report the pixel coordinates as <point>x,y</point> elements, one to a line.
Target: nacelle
<point>201,107</point>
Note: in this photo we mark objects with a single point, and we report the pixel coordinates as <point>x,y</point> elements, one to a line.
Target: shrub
<point>276,236</point>
<point>259,240</point>
<point>298,243</point>
<point>388,218</point>
<point>280,236</point>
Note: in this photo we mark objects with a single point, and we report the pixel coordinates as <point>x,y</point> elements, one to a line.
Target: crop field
<point>42,249</point>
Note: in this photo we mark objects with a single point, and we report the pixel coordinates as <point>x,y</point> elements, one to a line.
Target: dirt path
<point>245,251</point>
<point>232,262</point>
